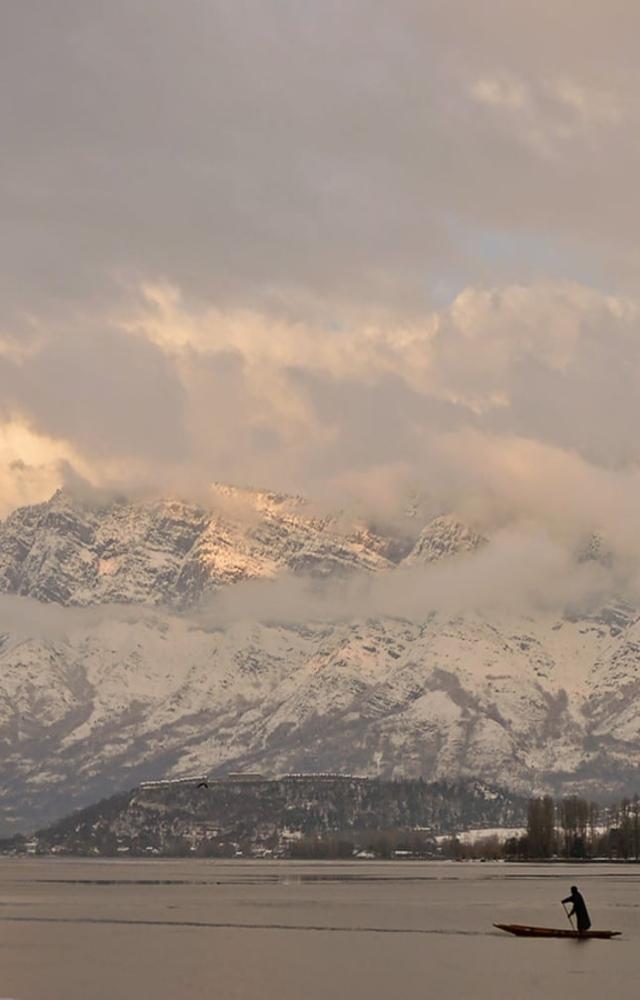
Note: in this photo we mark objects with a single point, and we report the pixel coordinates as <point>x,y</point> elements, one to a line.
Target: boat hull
<point>525,930</point>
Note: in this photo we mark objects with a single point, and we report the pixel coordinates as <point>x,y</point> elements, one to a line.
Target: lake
<point>237,930</point>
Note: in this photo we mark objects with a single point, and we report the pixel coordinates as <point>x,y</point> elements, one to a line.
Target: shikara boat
<point>524,930</point>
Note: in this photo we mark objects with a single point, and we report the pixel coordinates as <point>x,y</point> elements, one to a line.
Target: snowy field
<point>186,930</point>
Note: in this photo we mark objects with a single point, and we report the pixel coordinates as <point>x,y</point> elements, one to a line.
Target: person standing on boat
<point>579,909</point>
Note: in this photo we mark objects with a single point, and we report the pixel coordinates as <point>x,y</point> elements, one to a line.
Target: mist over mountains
<point>149,638</point>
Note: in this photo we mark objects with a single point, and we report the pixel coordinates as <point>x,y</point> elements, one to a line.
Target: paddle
<point>564,907</point>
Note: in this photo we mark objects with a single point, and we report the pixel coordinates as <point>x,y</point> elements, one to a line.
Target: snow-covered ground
<point>502,833</point>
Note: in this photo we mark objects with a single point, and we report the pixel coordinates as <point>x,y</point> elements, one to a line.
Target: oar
<point>566,912</point>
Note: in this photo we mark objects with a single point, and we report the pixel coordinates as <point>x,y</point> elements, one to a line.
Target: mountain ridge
<point>125,679</point>
<point>170,551</point>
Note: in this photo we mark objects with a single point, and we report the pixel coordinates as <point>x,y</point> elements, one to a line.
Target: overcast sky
<point>339,247</point>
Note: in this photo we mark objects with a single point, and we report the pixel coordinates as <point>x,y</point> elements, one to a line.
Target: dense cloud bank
<point>354,250</point>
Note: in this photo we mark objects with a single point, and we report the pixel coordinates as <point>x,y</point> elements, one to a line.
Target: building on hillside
<point>193,779</point>
<point>245,776</point>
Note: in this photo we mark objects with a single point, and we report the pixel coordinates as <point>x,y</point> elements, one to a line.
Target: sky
<point>344,248</point>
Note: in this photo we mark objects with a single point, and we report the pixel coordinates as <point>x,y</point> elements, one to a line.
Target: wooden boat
<point>524,930</point>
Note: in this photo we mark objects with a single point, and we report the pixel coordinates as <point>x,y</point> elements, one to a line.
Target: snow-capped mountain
<point>167,552</point>
<point>108,675</point>
<point>442,537</point>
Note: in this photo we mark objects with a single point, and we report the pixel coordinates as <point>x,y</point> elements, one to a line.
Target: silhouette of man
<point>579,909</point>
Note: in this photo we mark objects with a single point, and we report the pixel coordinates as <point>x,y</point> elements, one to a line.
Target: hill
<point>275,817</point>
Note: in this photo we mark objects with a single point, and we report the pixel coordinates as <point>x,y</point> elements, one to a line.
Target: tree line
<point>570,828</point>
<point>573,828</point>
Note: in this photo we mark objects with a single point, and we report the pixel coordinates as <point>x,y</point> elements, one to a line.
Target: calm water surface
<point>154,930</point>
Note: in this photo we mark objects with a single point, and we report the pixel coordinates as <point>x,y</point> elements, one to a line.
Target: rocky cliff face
<point>167,552</point>
<point>108,675</point>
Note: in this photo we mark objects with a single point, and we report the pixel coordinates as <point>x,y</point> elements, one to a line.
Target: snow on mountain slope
<point>111,696</point>
<point>442,537</point>
<point>169,551</point>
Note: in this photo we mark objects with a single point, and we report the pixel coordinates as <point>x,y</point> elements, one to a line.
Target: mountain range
<point>117,663</point>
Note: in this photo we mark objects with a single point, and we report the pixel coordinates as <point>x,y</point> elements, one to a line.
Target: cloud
<point>550,117</point>
<point>176,395</point>
<point>272,154</point>
<point>25,618</point>
<point>357,251</point>
<point>518,571</point>
<point>556,363</point>
<point>31,465</point>
<point>132,396</point>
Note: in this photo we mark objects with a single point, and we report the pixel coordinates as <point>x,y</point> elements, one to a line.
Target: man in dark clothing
<point>579,909</point>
